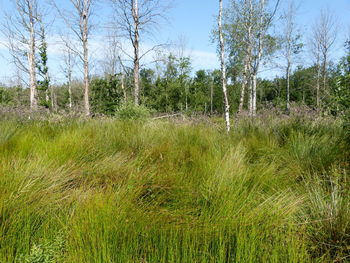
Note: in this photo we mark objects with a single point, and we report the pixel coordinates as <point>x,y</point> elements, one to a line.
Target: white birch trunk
<point>85,30</point>
<point>70,83</point>
<point>288,86</point>
<point>250,59</point>
<point>244,86</point>
<point>31,61</point>
<point>223,69</point>
<point>254,85</point>
<point>136,44</point>
<point>211,97</point>
<point>318,101</point>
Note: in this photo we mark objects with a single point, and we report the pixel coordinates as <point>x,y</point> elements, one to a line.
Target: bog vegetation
<point>273,190</point>
<point>126,158</point>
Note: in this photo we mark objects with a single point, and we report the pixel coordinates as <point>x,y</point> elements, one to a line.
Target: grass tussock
<point>158,191</point>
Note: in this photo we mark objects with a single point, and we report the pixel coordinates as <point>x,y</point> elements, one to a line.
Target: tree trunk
<point>70,89</point>
<point>244,85</point>
<point>123,88</point>
<point>186,97</point>
<point>318,101</point>
<point>324,73</point>
<point>250,59</point>
<point>53,106</point>
<point>223,69</point>
<point>86,79</point>
<point>250,91</point>
<point>47,97</point>
<point>211,97</point>
<point>31,61</point>
<point>136,43</point>
<point>288,87</point>
<point>136,80</point>
<point>254,84</point>
<point>84,18</point>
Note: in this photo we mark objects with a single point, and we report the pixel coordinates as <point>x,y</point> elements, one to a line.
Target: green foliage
<point>156,191</point>
<point>176,91</point>
<point>5,96</point>
<point>105,95</point>
<point>50,252</point>
<point>130,111</point>
<point>13,96</point>
<point>340,86</point>
<point>41,64</point>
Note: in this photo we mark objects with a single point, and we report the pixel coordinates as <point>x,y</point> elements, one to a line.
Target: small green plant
<point>47,252</point>
<point>130,111</point>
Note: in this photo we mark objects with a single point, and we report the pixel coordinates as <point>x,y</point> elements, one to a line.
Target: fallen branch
<point>168,116</point>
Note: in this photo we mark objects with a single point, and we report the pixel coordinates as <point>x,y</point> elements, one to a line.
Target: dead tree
<point>134,19</point>
<point>112,54</point>
<point>79,22</point>
<point>324,33</point>
<point>69,61</point>
<point>290,44</point>
<point>20,30</point>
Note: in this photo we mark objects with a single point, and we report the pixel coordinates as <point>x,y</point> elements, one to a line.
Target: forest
<point>115,146</point>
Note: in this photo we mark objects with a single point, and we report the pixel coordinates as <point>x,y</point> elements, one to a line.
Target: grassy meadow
<point>159,191</point>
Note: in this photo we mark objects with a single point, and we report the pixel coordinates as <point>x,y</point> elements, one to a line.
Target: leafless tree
<point>111,54</point>
<point>20,30</point>
<point>223,69</point>
<point>290,44</point>
<point>79,22</point>
<point>324,33</point>
<point>135,19</point>
<point>183,55</point>
<point>69,61</point>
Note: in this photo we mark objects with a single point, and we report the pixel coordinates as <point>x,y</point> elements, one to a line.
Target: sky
<point>192,20</point>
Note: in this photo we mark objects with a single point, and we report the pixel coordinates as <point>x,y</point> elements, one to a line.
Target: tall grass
<point>160,191</point>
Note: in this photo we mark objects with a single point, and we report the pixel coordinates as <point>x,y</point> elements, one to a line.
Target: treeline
<point>172,86</point>
<point>175,90</point>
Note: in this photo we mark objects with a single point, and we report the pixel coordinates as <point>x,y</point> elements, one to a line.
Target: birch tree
<point>69,60</point>
<point>238,26</point>
<point>324,33</point>
<point>247,28</point>
<point>111,55</point>
<point>290,45</point>
<point>135,19</point>
<point>264,20</point>
<point>20,30</point>
<point>79,22</point>
<point>223,69</point>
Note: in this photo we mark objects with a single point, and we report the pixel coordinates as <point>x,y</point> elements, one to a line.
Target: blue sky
<point>194,20</point>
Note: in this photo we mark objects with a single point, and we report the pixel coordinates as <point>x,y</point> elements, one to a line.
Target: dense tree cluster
<point>176,89</point>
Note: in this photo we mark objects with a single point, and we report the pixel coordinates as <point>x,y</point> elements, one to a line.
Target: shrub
<point>130,111</point>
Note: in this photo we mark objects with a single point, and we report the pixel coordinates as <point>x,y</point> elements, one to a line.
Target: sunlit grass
<point>160,191</point>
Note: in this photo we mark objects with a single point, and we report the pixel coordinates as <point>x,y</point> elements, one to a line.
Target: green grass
<point>159,191</point>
